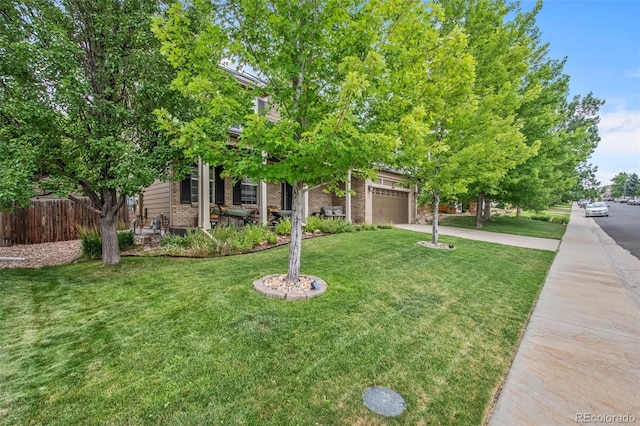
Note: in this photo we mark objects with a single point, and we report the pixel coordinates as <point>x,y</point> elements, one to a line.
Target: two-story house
<point>189,203</point>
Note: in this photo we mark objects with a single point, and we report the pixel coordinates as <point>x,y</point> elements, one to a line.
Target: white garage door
<point>390,206</point>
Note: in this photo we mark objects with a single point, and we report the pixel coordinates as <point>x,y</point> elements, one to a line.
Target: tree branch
<point>77,200</point>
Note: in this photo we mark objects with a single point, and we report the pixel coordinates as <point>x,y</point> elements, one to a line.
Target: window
<point>261,105</point>
<point>189,187</point>
<point>245,191</point>
<point>287,196</point>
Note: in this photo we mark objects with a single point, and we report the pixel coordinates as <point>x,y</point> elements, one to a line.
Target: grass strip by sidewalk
<point>168,341</point>
<point>510,225</point>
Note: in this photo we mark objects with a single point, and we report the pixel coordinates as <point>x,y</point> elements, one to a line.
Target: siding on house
<point>155,201</point>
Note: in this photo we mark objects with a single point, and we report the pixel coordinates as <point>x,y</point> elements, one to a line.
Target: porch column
<point>347,207</point>
<point>262,197</point>
<point>305,205</point>
<point>204,189</point>
<point>262,189</point>
<point>368,201</point>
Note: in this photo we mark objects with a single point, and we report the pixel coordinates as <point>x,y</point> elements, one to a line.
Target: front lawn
<point>189,341</point>
<point>510,225</point>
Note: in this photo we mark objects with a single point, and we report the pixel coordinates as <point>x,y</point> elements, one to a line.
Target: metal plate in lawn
<point>384,401</point>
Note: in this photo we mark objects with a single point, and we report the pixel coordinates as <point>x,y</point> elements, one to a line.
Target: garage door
<point>390,206</point>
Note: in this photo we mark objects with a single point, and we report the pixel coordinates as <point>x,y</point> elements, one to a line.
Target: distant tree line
<point>625,185</point>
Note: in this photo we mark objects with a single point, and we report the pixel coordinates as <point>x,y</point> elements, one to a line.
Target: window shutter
<point>237,192</point>
<point>287,196</point>
<point>185,190</point>
<point>219,184</point>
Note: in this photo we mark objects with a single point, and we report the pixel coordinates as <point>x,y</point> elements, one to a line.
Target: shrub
<point>336,226</point>
<point>224,233</point>
<point>173,241</point>
<point>564,220</point>
<point>226,241</point>
<point>283,227</point>
<point>365,227</point>
<point>314,223</point>
<point>272,238</point>
<point>329,226</point>
<point>91,241</point>
<point>255,234</point>
<point>541,216</point>
<point>194,242</point>
<point>125,240</point>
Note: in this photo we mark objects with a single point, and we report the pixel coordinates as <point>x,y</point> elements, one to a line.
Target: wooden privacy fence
<point>48,220</point>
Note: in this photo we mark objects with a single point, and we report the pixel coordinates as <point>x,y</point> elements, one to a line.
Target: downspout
<point>347,187</point>
<point>264,214</point>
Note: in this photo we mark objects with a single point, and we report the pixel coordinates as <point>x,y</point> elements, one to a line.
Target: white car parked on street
<point>599,208</point>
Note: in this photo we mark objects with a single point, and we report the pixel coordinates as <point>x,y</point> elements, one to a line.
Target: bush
<point>255,234</point>
<point>329,226</point>
<point>226,241</point>
<point>125,240</point>
<point>272,238</point>
<point>541,216</point>
<point>173,241</point>
<point>337,226</point>
<point>564,220</point>
<point>224,233</point>
<point>314,223</point>
<point>91,241</point>
<point>365,227</point>
<point>283,227</point>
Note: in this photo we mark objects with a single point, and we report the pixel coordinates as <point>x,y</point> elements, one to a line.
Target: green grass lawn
<point>510,225</point>
<point>560,209</point>
<point>189,341</point>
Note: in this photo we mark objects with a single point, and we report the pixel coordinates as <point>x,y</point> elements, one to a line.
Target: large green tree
<point>541,179</point>
<point>581,138</point>
<point>501,43</point>
<point>430,75</point>
<point>318,65</point>
<point>632,186</point>
<point>619,184</point>
<point>79,82</point>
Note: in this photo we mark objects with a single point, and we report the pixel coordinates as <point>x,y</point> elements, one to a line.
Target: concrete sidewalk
<point>490,237</point>
<point>579,359</point>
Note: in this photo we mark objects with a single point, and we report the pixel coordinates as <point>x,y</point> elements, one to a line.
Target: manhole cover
<point>384,401</point>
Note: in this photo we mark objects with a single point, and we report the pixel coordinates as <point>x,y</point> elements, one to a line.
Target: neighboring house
<point>188,203</point>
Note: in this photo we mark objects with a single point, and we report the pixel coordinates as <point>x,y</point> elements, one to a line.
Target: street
<point>623,225</point>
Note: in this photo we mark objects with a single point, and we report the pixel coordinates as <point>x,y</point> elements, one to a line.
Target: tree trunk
<point>109,233</point>
<point>111,204</point>
<point>486,214</point>
<point>518,212</point>
<point>434,226</point>
<point>480,204</point>
<point>295,247</point>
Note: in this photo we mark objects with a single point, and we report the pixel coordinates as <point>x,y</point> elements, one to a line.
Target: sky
<point>601,41</point>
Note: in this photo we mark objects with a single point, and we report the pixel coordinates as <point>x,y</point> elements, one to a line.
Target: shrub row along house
<point>193,201</point>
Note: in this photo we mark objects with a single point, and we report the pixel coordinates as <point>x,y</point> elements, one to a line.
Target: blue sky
<point>601,40</point>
